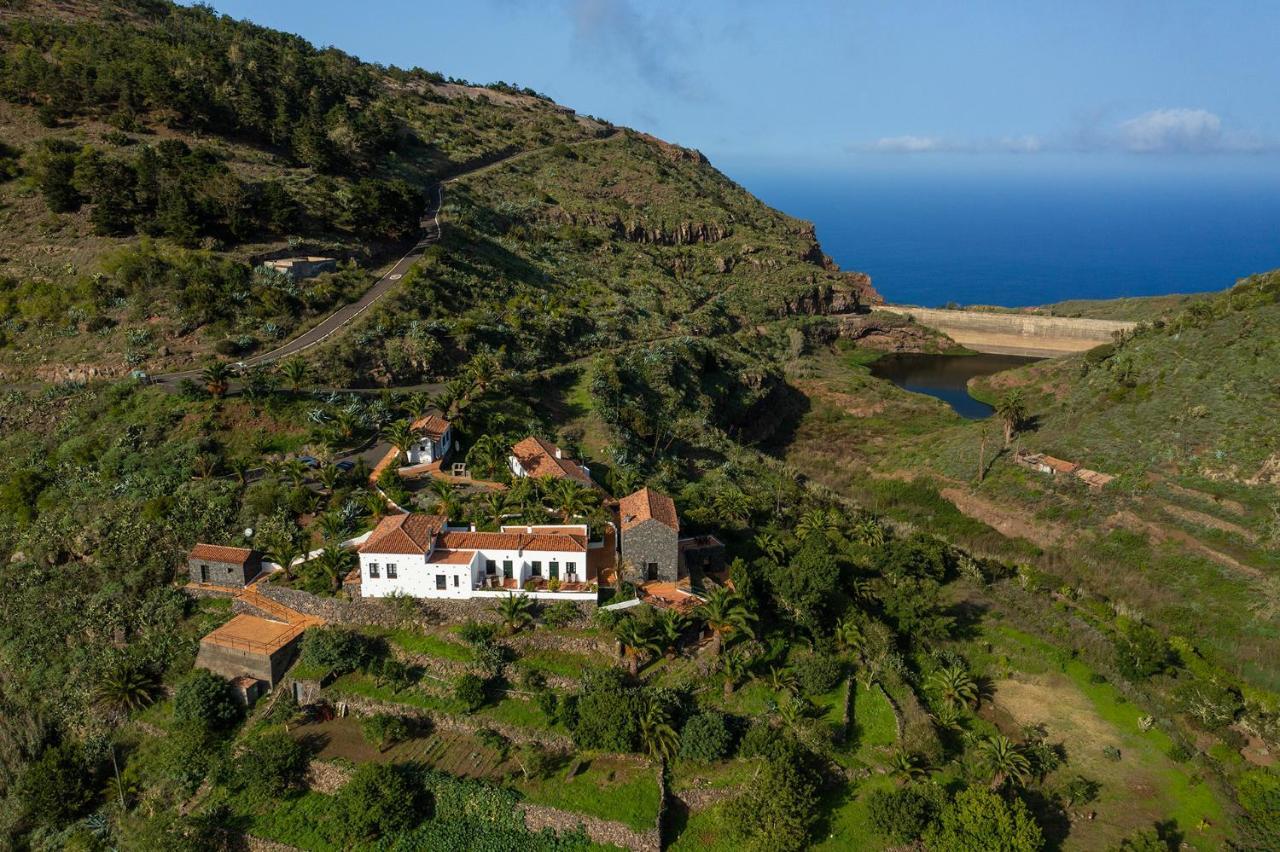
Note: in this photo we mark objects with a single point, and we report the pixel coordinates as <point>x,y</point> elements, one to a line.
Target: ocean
<point>1030,239</point>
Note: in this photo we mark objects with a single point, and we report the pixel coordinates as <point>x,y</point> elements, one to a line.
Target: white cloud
<point>1177,130</point>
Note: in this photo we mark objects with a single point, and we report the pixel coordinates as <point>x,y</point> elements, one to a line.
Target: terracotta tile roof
<point>412,533</point>
<point>547,529</point>
<point>539,458</point>
<point>218,553</point>
<point>645,505</point>
<point>1058,464</point>
<point>432,425</point>
<point>512,541</point>
<point>451,557</point>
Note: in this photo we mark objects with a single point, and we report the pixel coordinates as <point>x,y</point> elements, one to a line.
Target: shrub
<point>378,800</point>
<point>206,702</point>
<point>1178,753</point>
<point>337,649</point>
<point>1111,753</point>
<point>470,690</point>
<point>1141,652</point>
<point>976,820</point>
<point>57,787</point>
<point>608,712</point>
<point>559,614</point>
<point>270,766</point>
<point>816,673</point>
<point>706,736</point>
<point>778,808</point>
<point>477,632</point>
<point>383,730</point>
<point>903,814</point>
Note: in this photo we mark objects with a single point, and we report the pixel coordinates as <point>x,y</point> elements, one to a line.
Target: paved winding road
<point>333,323</point>
<point>339,319</point>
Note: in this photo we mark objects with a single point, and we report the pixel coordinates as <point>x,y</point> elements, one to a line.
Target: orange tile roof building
<point>650,535</point>
<point>536,458</point>
<point>433,440</point>
<point>216,565</point>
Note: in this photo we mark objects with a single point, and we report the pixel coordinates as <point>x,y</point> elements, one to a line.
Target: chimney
<point>559,453</point>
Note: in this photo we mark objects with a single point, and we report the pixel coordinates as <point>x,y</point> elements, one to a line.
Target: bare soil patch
<point>1161,534</point>
<point>1204,520</point>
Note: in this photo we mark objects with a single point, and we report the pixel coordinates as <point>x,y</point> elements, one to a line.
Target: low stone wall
<point>333,610</point>
<point>362,706</point>
<point>607,832</point>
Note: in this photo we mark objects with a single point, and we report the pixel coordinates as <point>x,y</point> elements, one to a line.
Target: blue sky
<point>920,85</point>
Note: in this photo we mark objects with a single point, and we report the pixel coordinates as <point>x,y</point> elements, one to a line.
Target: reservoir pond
<point>945,376</point>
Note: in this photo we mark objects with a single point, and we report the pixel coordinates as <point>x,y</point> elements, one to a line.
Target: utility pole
<point>982,455</point>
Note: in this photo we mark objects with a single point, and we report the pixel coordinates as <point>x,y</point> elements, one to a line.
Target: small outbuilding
<point>433,438</point>
<point>299,268</point>
<point>216,565</point>
<point>650,534</point>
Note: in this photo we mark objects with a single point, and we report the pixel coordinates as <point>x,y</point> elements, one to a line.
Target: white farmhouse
<point>536,458</point>
<point>433,438</point>
<point>422,556</point>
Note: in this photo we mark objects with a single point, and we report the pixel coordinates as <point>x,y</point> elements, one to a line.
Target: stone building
<point>223,566</point>
<point>299,268</point>
<point>650,535</point>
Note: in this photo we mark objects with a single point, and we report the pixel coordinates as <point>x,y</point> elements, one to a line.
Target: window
<point>535,568</point>
<point>571,570</point>
<point>373,570</point>
<point>506,569</point>
<point>555,570</point>
<point>391,570</point>
<point>455,581</point>
<point>651,571</point>
<point>441,581</point>
<point>491,567</point>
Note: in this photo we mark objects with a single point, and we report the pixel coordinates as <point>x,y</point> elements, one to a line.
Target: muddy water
<point>945,376</point>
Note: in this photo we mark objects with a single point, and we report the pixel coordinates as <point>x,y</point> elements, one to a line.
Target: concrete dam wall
<point>1015,334</point>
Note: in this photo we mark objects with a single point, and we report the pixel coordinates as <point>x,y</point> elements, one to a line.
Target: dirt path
<point>1007,522</point>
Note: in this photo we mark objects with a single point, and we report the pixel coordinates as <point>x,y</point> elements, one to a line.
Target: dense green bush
<point>977,820</point>
<point>270,766</point>
<point>816,673</point>
<point>59,786</point>
<point>902,814</point>
<point>205,701</point>
<point>706,736</point>
<point>471,690</point>
<point>337,649</point>
<point>608,712</point>
<point>383,729</point>
<point>380,800</point>
<point>778,808</point>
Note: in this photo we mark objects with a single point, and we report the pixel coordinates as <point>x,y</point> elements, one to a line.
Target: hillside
<point>136,202</point>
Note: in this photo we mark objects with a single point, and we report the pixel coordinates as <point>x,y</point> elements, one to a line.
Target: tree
<point>1012,411</point>
<point>810,588</point>
<point>905,767</point>
<point>58,786</point>
<point>400,435</point>
<point>954,686</point>
<point>216,378</point>
<point>706,736</point>
<point>608,712</point>
<point>516,612</point>
<point>670,626</point>
<point>125,687</point>
<point>336,649</point>
<point>658,738</point>
<point>336,562</point>
<point>778,808</point>
<point>636,638</point>
<point>736,665</point>
<point>271,766</point>
<point>283,553</point>
<point>726,615</point>
<point>977,820</point>
<point>569,498</point>
<point>903,814</point>
<point>470,690</point>
<point>379,800</point>
<point>295,373</point>
<point>383,730</point>
<point>817,522</point>
<point>205,702</point>
<point>1004,761</point>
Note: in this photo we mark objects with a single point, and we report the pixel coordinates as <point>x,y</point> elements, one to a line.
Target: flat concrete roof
<point>250,633</point>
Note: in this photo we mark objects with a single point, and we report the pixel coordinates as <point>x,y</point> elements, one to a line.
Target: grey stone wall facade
<point>654,549</point>
<point>233,662</point>
<point>224,573</point>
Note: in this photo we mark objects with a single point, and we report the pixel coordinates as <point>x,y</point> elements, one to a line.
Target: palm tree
<point>849,635</point>
<point>274,468</point>
<point>737,666</point>
<point>516,612</point>
<point>792,710</point>
<point>727,615</point>
<point>816,522</point>
<point>627,480</point>
<point>637,638</point>
<point>125,687</point>
<point>445,493</point>
<point>954,686</point>
<point>487,456</point>
<point>347,424</point>
<point>238,467</point>
<point>670,626</point>
<point>657,737</point>
<point>336,562</point>
<point>495,507</point>
<point>296,471</point>
<point>731,504</point>
<point>1012,410</point>
<point>869,531</point>
<point>905,767</point>
<point>569,498</point>
<point>400,435</point>
<point>770,544</point>
<point>334,525</point>
<point>205,465</point>
<point>418,404</point>
<point>295,373</point>
<point>374,505</point>
<point>328,476</point>
<point>283,555</point>
<point>216,378</point>
<point>1004,760</point>
<point>947,718</point>
<point>782,679</point>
